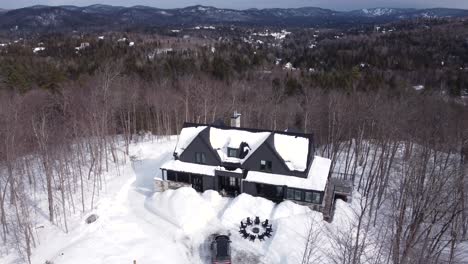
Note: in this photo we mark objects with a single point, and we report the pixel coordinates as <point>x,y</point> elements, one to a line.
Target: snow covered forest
<point>64,142</point>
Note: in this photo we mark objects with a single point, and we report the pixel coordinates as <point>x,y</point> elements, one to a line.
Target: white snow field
<point>136,223</point>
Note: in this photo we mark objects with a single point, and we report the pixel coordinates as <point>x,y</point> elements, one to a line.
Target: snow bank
<point>288,209</point>
<point>184,208</point>
<point>244,206</point>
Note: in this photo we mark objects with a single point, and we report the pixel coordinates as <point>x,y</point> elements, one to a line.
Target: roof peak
<point>225,127</point>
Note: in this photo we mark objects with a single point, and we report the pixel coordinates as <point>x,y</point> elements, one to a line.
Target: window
<point>279,191</point>
<point>233,153</point>
<point>200,157</point>
<point>265,165</point>
<point>312,197</point>
<point>232,181</point>
<point>260,188</point>
<point>183,177</point>
<point>164,174</point>
<point>316,197</point>
<point>297,195</point>
<point>171,176</point>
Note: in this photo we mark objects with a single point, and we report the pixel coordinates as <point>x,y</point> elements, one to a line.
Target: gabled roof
<point>292,147</point>
<point>316,179</point>
<point>222,139</point>
<point>187,135</point>
<point>293,150</point>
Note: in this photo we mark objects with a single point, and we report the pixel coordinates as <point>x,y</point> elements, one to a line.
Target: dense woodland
<point>63,114</point>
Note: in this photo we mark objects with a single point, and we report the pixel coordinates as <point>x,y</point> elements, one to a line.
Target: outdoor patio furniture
<point>257,220</point>
<point>243,225</point>
<point>253,228</point>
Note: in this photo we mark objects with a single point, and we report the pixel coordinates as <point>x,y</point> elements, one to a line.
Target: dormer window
<point>200,157</point>
<point>265,165</point>
<point>233,153</point>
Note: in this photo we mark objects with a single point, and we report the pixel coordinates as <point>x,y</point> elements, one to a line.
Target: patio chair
<point>243,225</point>
<point>257,220</point>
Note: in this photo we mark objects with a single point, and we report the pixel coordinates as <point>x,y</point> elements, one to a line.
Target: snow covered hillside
<point>136,223</point>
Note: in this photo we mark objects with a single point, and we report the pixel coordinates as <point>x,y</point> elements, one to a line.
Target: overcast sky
<point>243,4</point>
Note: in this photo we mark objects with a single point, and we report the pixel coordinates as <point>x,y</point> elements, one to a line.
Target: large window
<point>233,152</point>
<point>232,181</point>
<point>312,197</point>
<point>200,157</point>
<point>183,177</point>
<point>171,176</point>
<point>265,165</point>
<point>279,191</point>
<point>298,195</point>
<point>295,194</point>
<point>316,197</point>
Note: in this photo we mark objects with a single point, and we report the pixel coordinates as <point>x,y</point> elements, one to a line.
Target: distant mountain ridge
<point>73,17</point>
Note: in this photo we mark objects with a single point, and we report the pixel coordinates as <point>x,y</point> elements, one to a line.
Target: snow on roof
<point>222,139</point>
<point>316,179</point>
<point>187,135</point>
<point>293,150</point>
<point>319,171</point>
<point>177,165</point>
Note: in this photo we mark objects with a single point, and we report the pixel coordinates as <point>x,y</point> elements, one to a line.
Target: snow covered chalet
<point>272,164</point>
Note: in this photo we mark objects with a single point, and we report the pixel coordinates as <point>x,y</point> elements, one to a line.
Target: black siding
<point>267,152</point>
<point>199,145</point>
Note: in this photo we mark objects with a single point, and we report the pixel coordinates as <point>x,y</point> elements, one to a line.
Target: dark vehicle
<point>221,250</point>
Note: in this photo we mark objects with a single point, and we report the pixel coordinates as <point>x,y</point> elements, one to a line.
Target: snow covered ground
<point>136,223</point>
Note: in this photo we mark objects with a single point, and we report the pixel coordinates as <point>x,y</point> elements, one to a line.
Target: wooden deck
<point>340,186</point>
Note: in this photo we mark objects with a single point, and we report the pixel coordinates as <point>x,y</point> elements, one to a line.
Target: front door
<point>197,183</point>
<point>229,185</point>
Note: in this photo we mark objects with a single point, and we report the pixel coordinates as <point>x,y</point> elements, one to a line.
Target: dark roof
<point>254,130</point>
<point>219,123</point>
